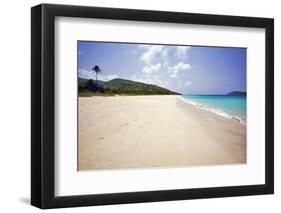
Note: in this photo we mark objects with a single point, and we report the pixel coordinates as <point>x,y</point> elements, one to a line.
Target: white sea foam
<point>216,111</point>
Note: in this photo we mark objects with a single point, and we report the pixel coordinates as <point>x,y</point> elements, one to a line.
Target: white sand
<point>154,131</point>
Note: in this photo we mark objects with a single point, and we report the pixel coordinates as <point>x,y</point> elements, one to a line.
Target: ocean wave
<point>216,111</point>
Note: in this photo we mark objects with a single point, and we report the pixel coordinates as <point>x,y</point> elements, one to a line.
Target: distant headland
<point>237,93</point>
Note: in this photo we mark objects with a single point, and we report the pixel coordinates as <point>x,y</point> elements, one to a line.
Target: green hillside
<point>119,87</point>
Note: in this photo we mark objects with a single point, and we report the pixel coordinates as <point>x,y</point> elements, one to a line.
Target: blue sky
<point>185,69</point>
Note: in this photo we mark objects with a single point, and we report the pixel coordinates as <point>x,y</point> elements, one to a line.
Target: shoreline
<point>212,110</point>
<point>137,132</point>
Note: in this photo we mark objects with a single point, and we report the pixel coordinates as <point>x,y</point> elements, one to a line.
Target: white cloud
<point>160,53</point>
<point>188,83</point>
<point>165,52</point>
<point>144,46</point>
<point>153,68</point>
<point>150,79</point>
<point>170,60</point>
<point>108,77</point>
<point>152,52</point>
<point>82,73</point>
<point>174,70</point>
<point>182,51</point>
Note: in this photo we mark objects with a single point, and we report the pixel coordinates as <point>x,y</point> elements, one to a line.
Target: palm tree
<point>96,69</point>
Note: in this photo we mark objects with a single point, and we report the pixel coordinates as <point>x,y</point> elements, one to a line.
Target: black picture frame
<point>43,102</point>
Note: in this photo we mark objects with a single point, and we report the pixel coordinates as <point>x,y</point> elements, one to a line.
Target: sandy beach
<point>119,132</point>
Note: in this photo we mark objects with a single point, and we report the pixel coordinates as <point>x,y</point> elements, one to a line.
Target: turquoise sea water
<point>228,106</point>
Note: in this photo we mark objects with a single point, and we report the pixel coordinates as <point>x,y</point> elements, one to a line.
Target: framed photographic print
<point>139,106</point>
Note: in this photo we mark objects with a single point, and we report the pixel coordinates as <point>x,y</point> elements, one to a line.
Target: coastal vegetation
<point>90,87</point>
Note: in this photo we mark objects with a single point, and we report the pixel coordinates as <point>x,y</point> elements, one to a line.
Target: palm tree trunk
<point>97,81</point>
